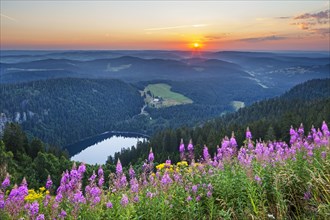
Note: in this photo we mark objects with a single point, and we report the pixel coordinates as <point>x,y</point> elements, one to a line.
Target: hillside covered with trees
<point>307,103</point>
<point>62,111</point>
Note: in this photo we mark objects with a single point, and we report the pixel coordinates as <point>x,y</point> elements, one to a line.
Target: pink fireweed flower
<point>324,126</point>
<point>168,163</point>
<point>151,156</point>
<point>63,214</point>
<point>40,217</point>
<point>46,200</point>
<point>250,145</point>
<point>313,130</point>
<point>233,142</point>
<point>248,134</point>
<point>292,131</point>
<point>119,168</point>
<point>78,198</point>
<point>182,150</point>
<point>2,201</point>
<point>101,176</point>
<point>166,179</point>
<point>191,150</point>
<point>190,146</point>
<point>134,185</point>
<point>101,181</point>
<point>82,169</point>
<point>33,209</point>
<point>65,178</point>
<point>131,172</point>
<point>210,187</point>
<point>181,147</point>
<point>323,154</point>
<point>49,182</point>
<point>194,188</point>
<point>124,200</point>
<point>58,197</point>
<point>100,171</point>
<point>74,172</point>
<point>206,154</point>
<point>109,205</point>
<point>123,180</point>
<point>149,194</point>
<point>6,182</point>
<point>136,198</point>
<point>92,177</point>
<point>189,198</point>
<point>225,143</point>
<point>257,179</point>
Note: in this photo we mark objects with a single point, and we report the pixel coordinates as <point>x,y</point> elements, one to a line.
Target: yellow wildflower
<point>182,163</point>
<point>32,196</point>
<point>42,189</point>
<point>160,166</point>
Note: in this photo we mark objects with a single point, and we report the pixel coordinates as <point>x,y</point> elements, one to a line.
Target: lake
<point>95,150</point>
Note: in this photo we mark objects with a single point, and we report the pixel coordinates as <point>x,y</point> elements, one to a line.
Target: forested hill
<point>61,111</point>
<point>307,103</point>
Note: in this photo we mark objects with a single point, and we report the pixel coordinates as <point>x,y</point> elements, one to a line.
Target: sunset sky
<point>168,25</point>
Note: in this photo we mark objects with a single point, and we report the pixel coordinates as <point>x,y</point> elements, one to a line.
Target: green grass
<point>164,91</point>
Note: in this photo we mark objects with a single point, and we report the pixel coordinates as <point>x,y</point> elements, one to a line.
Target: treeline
<point>63,111</point>
<point>30,158</point>
<point>308,103</point>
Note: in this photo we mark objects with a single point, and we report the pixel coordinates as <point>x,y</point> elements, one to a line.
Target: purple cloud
<point>319,16</point>
<point>259,39</point>
<point>307,21</point>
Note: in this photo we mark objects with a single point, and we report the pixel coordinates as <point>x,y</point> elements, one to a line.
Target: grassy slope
<point>164,91</point>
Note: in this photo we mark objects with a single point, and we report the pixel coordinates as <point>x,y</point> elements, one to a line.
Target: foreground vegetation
<point>260,180</point>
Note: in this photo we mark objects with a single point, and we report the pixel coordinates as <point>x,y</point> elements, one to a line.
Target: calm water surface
<point>97,149</point>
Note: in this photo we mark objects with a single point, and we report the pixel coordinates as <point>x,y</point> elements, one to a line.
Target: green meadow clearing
<point>169,97</point>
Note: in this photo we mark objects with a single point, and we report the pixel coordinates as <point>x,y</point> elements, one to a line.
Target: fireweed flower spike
<point>124,200</point>
<point>151,156</point>
<point>109,205</point>
<point>233,142</point>
<point>131,172</point>
<point>325,129</point>
<point>182,150</point>
<point>119,168</point>
<point>191,150</point>
<point>6,182</point>
<point>49,183</point>
<point>168,163</point>
<point>101,177</point>
<point>206,154</point>
<point>248,134</point>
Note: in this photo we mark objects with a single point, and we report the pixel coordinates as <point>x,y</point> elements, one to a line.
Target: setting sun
<point>196,45</point>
